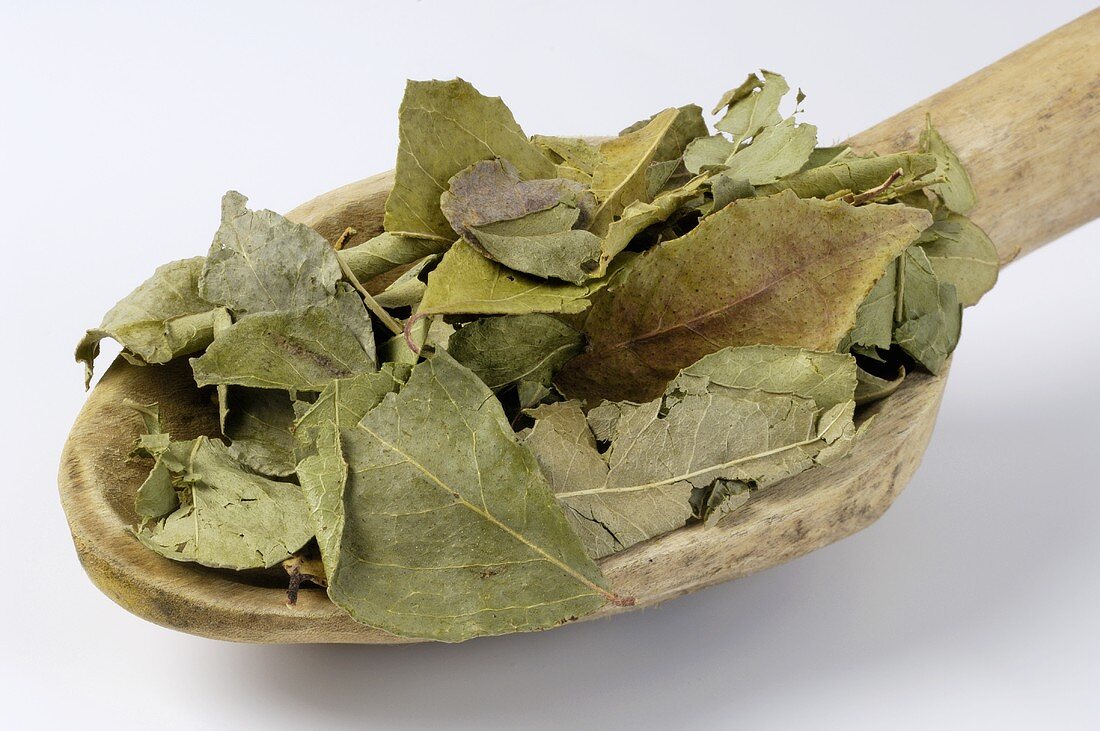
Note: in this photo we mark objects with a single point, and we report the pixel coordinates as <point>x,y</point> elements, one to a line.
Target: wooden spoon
<point>1028,130</point>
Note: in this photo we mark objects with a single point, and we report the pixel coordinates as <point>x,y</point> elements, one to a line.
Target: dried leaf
<point>295,350</point>
<point>259,425</point>
<point>752,106</point>
<point>387,251</point>
<point>874,326</point>
<point>229,518</point>
<point>856,175</point>
<point>323,472</point>
<point>450,531</point>
<point>465,282</point>
<point>713,424</point>
<point>620,177</point>
<point>544,244</point>
<point>775,152</point>
<point>408,289</point>
<point>261,262</point>
<point>930,314</point>
<point>573,154</point>
<point>870,387</point>
<point>505,350</point>
<point>961,254</point>
<point>956,190</point>
<point>779,285</point>
<point>446,126</point>
<point>492,190</point>
<point>164,318</point>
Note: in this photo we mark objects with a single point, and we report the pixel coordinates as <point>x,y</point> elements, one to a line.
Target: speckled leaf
<point>294,350</point>
<point>619,178</point>
<point>261,262</point>
<point>451,529</point>
<point>229,518</point>
<point>505,350</point>
<point>444,127</point>
<point>165,317</point>
<point>961,254</point>
<point>792,271</point>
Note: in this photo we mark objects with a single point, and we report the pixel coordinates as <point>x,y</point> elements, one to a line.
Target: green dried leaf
<point>956,190</point>
<point>261,262</point>
<point>295,350</point>
<point>446,126</point>
<point>229,518</point>
<point>707,152</point>
<point>323,472</point>
<point>164,318</point>
<point>874,326</point>
<point>450,530</point>
<point>775,152</point>
<point>260,424</point>
<point>743,416</point>
<point>465,282</point>
<point>386,252</point>
<point>408,289</point>
<point>778,285</point>
<point>573,154</point>
<point>752,106</point>
<point>930,316</point>
<point>856,175</point>
<point>620,177</point>
<point>961,254</point>
<point>505,350</point>
<point>544,244</point>
<point>870,387</point>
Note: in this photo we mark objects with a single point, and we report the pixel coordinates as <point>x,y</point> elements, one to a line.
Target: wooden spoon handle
<point>1028,130</point>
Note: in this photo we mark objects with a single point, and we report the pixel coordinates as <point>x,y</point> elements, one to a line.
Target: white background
<point>971,604</point>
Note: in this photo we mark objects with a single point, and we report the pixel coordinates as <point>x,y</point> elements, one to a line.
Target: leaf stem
<point>372,304</point>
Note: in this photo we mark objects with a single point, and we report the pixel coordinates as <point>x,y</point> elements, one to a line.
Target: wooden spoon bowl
<point>1021,126</point>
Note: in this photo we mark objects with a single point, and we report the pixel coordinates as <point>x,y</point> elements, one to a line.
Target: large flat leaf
<point>450,531</point>
<point>620,177</point>
<point>745,415</point>
<point>513,348</point>
<point>294,350</point>
<point>776,152</point>
<point>164,318</point>
<point>261,262</point>
<point>779,270</point>
<point>545,244</point>
<point>956,190</point>
<point>229,518</point>
<point>444,127</point>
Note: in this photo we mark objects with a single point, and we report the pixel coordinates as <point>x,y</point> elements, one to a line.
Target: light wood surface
<point>1027,128</point>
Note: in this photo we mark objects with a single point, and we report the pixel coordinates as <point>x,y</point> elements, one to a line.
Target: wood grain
<point>1027,128</point>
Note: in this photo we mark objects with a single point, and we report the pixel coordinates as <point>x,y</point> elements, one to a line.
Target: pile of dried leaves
<point>589,344</point>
